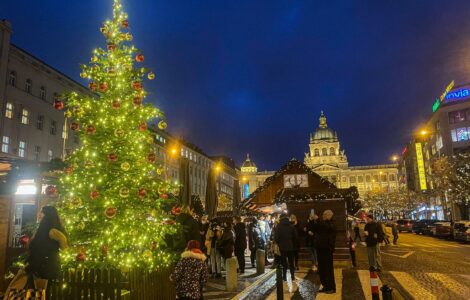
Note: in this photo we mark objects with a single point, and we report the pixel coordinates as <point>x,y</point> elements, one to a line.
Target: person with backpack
<point>255,241</point>
<point>374,236</point>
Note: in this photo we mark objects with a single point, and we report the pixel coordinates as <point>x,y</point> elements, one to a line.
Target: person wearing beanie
<point>190,273</point>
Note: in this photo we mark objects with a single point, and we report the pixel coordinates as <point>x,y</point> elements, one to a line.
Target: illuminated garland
<point>112,195</point>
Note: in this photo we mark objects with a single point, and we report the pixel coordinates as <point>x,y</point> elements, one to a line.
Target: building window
<point>457,116</point>
<point>53,129</point>
<point>324,152</point>
<point>460,134</point>
<point>391,177</point>
<point>333,179</point>
<point>316,152</point>
<point>37,153</point>
<point>24,116</point>
<point>345,179</point>
<point>360,179</point>
<point>12,78</point>
<point>5,144</point>
<point>376,178</point>
<point>332,151</point>
<point>40,122</point>
<point>9,110</point>
<point>49,155</point>
<point>22,149</point>
<point>42,93</point>
<point>28,86</point>
<point>383,178</point>
<point>367,178</point>
<point>352,179</point>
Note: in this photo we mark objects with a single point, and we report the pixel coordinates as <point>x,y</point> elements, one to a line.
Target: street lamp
<point>394,158</point>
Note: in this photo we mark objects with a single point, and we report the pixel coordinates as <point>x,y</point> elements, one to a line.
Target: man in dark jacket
<point>324,240</point>
<point>190,225</point>
<point>374,236</point>
<point>286,238</point>
<point>254,240</point>
<point>240,242</point>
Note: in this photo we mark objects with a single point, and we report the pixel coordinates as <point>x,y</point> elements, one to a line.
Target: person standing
<point>357,233</point>
<point>43,260</point>
<point>286,238</point>
<point>227,243</point>
<point>310,229</point>
<point>395,233</point>
<point>240,242</point>
<point>203,228</point>
<point>325,239</point>
<point>294,221</point>
<point>212,240</point>
<point>190,273</point>
<point>374,236</point>
<point>255,241</point>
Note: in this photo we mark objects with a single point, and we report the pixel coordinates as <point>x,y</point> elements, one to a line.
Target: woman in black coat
<point>324,240</point>
<point>240,242</point>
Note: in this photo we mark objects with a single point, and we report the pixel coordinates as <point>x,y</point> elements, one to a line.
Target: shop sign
<point>421,171</point>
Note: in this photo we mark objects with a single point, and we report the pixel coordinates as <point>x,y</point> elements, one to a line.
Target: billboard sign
<point>421,170</point>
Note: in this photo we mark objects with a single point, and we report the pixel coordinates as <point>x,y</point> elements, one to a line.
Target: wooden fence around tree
<point>112,284</point>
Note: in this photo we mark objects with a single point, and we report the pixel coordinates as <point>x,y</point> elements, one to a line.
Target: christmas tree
<point>112,196</point>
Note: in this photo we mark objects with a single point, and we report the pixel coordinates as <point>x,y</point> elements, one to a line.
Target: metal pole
<point>279,283</point>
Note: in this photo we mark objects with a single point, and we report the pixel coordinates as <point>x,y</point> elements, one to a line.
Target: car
<point>404,225</point>
<point>423,226</point>
<point>431,224</point>
<point>462,231</point>
<point>443,230</point>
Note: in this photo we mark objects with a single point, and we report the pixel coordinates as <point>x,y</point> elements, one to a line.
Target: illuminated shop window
<point>460,134</point>
<point>9,110</point>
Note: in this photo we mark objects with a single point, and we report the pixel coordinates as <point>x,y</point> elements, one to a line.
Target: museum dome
<point>323,132</point>
<point>248,165</point>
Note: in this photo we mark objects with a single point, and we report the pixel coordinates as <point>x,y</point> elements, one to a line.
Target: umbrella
<point>236,196</point>
<point>211,195</point>
<point>185,188</point>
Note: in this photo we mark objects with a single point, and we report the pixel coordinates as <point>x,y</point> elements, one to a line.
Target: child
<point>190,272</point>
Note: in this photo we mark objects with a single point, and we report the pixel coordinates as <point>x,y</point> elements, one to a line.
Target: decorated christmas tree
<point>112,197</point>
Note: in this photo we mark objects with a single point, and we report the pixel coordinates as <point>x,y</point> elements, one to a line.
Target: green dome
<point>323,132</point>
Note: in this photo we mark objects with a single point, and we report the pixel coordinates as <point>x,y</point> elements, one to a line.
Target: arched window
<point>12,78</point>
<point>316,152</point>
<point>42,93</point>
<point>332,151</point>
<point>28,86</point>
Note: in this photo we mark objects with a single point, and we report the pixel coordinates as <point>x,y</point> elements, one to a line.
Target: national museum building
<point>327,159</point>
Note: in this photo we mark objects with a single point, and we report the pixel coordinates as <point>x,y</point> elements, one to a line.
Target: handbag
<point>26,286</point>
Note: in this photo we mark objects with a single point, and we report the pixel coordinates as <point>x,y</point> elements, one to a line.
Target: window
<point>28,86</point>
<point>460,134</point>
<point>53,129</point>
<point>332,151</point>
<point>360,179</point>
<point>9,110</point>
<point>367,178</point>
<point>352,179</point>
<point>383,178</point>
<point>324,152</point>
<point>12,78</point>
<point>24,116</point>
<point>391,177</point>
<point>5,144</point>
<point>22,149</point>
<point>49,155</point>
<point>333,179</point>
<point>317,152</point>
<point>40,122</point>
<point>457,116</point>
<point>345,179</point>
<point>37,153</point>
<point>42,93</point>
<point>376,178</point>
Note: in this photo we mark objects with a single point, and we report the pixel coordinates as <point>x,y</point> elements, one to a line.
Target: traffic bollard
<point>279,283</point>
<point>386,292</point>
<point>260,261</point>
<point>374,284</point>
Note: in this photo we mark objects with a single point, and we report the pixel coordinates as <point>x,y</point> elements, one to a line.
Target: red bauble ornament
<point>111,46</point>
<point>51,191</point>
<point>68,170</point>
<point>143,126</point>
<point>103,86</point>
<point>151,157</point>
<point>24,240</point>
<point>110,212</point>
<point>112,157</point>
<point>164,196</point>
<point>125,24</point>
<point>80,256</point>
<point>142,193</point>
<point>94,194</point>
<point>116,104</point>
<point>137,85</point>
<point>58,104</point>
<point>92,86</point>
<point>137,101</point>
<point>90,129</point>
<point>176,210</point>
<point>74,126</point>
<point>139,57</point>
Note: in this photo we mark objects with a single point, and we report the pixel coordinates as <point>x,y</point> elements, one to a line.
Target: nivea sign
<point>458,94</point>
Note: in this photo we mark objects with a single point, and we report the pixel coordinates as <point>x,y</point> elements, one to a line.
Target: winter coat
<point>190,274</point>
<point>240,237</point>
<point>254,237</point>
<point>190,227</point>
<point>43,259</point>
<point>310,238</point>
<point>299,235</point>
<point>202,234</point>
<point>227,243</point>
<point>286,235</point>
<point>325,235</point>
<point>375,234</point>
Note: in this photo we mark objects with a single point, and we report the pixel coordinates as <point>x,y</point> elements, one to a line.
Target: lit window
<point>5,144</point>
<point>345,179</point>
<point>49,155</point>
<point>40,122</point>
<point>53,129</point>
<point>360,179</point>
<point>24,116</point>
<point>460,134</point>
<point>457,116</point>
<point>376,178</point>
<point>37,152</point>
<point>12,78</point>
<point>22,149</point>
<point>42,93</point>
<point>317,152</point>
<point>391,177</point>
<point>28,86</point>
<point>324,152</point>
<point>383,178</point>
<point>352,179</point>
<point>182,152</point>
<point>9,110</point>
<point>332,151</point>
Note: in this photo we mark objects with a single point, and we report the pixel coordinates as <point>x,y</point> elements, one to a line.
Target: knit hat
<point>193,244</point>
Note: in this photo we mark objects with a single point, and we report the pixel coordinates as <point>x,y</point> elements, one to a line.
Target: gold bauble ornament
<point>125,166</point>
<point>162,125</point>
<point>119,132</point>
<point>81,226</point>
<point>94,58</point>
<point>159,170</point>
<point>83,75</point>
<point>124,192</point>
<point>68,114</point>
<point>147,254</point>
<point>151,76</point>
<point>149,140</point>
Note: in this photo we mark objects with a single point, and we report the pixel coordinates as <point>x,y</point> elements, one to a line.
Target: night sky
<point>252,76</point>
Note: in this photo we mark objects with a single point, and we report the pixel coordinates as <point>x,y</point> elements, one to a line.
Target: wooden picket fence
<point>112,284</point>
